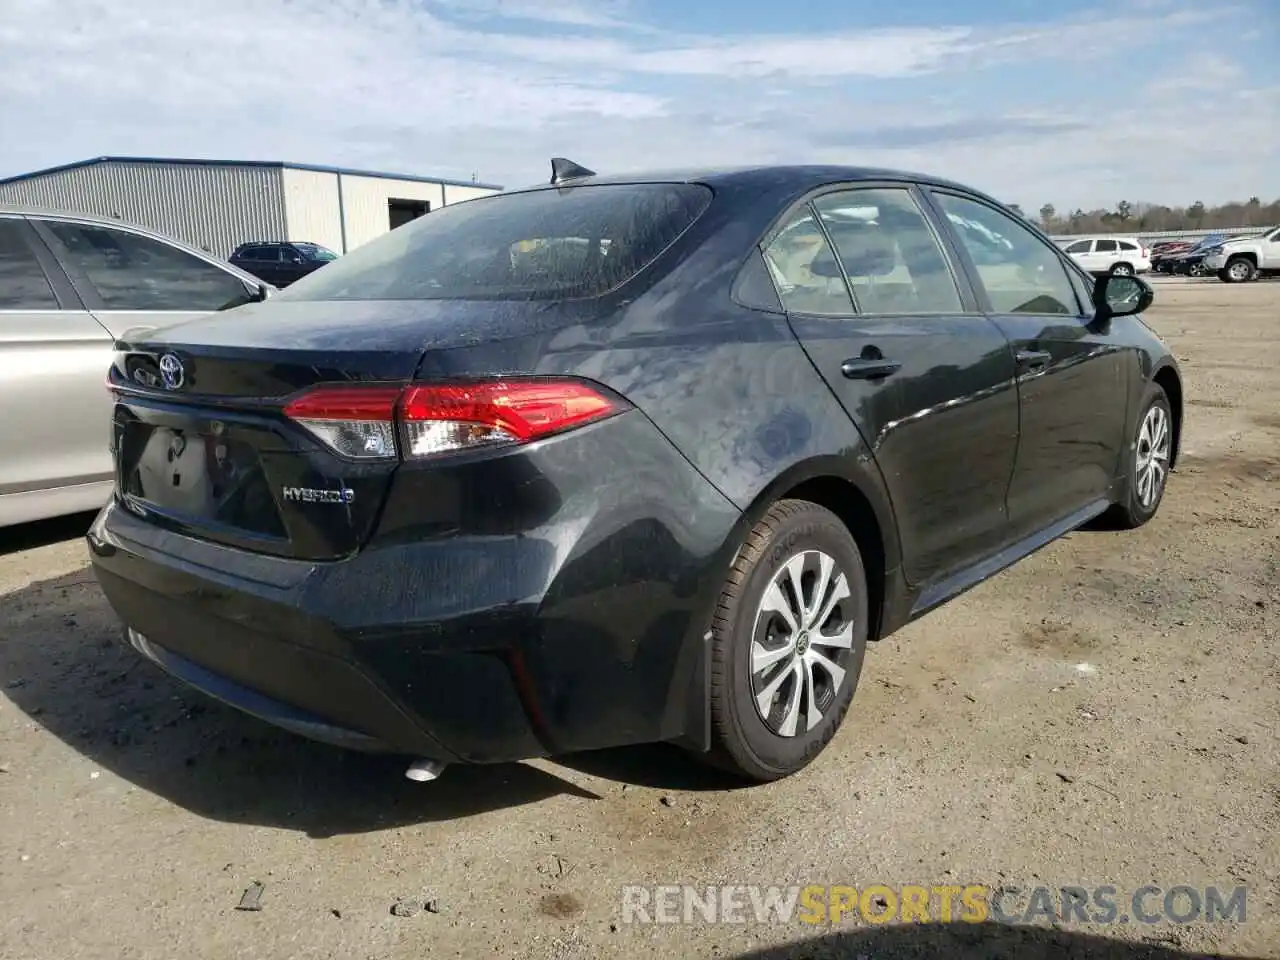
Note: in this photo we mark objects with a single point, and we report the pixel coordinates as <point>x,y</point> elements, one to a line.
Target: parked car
<point>280,263</point>
<point>1164,254</point>
<point>1191,262</point>
<point>1121,256</point>
<point>68,286</point>
<point>1245,258</point>
<point>460,504</point>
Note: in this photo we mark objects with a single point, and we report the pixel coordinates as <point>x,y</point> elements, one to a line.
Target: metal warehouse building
<point>218,204</point>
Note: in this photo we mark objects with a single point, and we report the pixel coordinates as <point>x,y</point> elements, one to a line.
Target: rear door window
<point>23,285</point>
<point>1106,246</point>
<point>549,244</point>
<point>889,253</point>
<point>805,270</point>
<point>132,272</point>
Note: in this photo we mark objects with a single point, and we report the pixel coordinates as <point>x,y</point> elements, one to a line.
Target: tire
<point>1138,505</point>
<point>1238,270</point>
<point>752,613</point>
<point>1121,270</point>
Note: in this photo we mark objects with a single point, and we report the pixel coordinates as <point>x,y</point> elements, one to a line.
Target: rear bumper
<point>256,633</point>
<point>584,633</point>
<point>252,702</point>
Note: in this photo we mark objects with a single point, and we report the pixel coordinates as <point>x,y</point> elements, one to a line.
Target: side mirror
<point>1121,296</point>
<point>261,292</point>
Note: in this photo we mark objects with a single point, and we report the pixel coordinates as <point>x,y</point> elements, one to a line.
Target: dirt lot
<point>1105,713</point>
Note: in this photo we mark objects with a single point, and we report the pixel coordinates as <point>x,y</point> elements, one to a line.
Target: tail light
<point>423,420</point>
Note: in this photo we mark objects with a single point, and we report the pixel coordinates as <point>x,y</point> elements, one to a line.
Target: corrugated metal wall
<point>211,207</point>
<point>456,194</point>
<point>364,202</point>
<point>312,210</point>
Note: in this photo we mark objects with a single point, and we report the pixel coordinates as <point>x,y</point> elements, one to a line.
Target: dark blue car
<point>1191,262</point>
<point>281,263</point>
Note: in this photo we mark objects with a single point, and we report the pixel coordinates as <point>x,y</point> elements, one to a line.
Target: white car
<point>1245,258</point>
<point>1120,256</point>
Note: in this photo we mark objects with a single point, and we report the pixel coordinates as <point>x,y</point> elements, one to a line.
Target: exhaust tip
<point>423,771</point>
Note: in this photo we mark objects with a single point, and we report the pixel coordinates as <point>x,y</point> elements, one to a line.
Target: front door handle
<point>1033,359</point>
<point>869,368</point>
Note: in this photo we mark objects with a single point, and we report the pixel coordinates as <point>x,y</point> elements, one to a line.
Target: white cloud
<point>498,86</point>
<point>602,14</point>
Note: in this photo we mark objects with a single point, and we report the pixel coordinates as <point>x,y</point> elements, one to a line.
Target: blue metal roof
<point>280,164</point>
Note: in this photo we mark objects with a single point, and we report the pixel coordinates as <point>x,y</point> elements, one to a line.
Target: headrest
<point>865,250</point>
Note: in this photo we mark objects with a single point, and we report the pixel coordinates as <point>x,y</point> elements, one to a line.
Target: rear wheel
<point>1149,458</point>
<point>788,639</point>
<point>1122,270</point>
<point>1238,270</point>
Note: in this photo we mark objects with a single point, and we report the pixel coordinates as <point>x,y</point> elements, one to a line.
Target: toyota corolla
<point>614,460</point>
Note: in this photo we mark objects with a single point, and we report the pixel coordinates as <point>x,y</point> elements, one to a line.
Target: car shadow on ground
<point>660,766</point>
<point>43,533</point>
<point>980,941</point>
<point>62,663</point>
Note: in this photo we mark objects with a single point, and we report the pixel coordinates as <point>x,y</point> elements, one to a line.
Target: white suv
<point>1121,256</point>
<point>1245,258</point>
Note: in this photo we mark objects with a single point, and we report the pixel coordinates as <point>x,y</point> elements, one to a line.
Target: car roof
<point>799,177</point>
<point>22,210</point>
<point>278,243</point>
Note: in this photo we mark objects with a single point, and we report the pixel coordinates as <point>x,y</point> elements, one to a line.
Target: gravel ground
<point>1104,713</point>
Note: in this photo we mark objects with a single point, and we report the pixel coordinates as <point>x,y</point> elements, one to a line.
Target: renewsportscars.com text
<point>971,903</point>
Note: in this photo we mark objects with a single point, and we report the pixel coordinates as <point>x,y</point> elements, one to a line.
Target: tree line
<point>1130,217</point>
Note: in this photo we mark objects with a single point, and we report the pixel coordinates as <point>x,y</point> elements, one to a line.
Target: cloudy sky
<point>1146,100</point>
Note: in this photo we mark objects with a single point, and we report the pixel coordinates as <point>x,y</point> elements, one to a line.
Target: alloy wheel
<point>801,643</point>
<point>1239,270</point>
<point>1154,439</point>
<point>1122,270</point>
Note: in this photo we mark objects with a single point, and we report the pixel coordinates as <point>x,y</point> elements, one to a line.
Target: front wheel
<point>1238,270</point>
<point>1150,455</point>
<point>788,639</point>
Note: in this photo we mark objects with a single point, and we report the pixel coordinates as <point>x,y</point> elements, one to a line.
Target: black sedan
<point>621,459</point>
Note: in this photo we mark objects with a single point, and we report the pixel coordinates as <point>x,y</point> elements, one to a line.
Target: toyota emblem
<point>171,372</point>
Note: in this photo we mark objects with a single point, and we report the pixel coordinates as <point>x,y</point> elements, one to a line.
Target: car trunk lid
<point>202,441</point>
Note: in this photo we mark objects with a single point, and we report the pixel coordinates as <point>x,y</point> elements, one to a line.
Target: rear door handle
<point>1033,359</point>
<point>869,368</point>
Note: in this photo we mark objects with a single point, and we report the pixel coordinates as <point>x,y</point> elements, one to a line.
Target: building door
<point>400,212</point>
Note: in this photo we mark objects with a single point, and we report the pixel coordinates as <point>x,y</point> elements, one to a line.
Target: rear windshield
<point>545,244</point>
